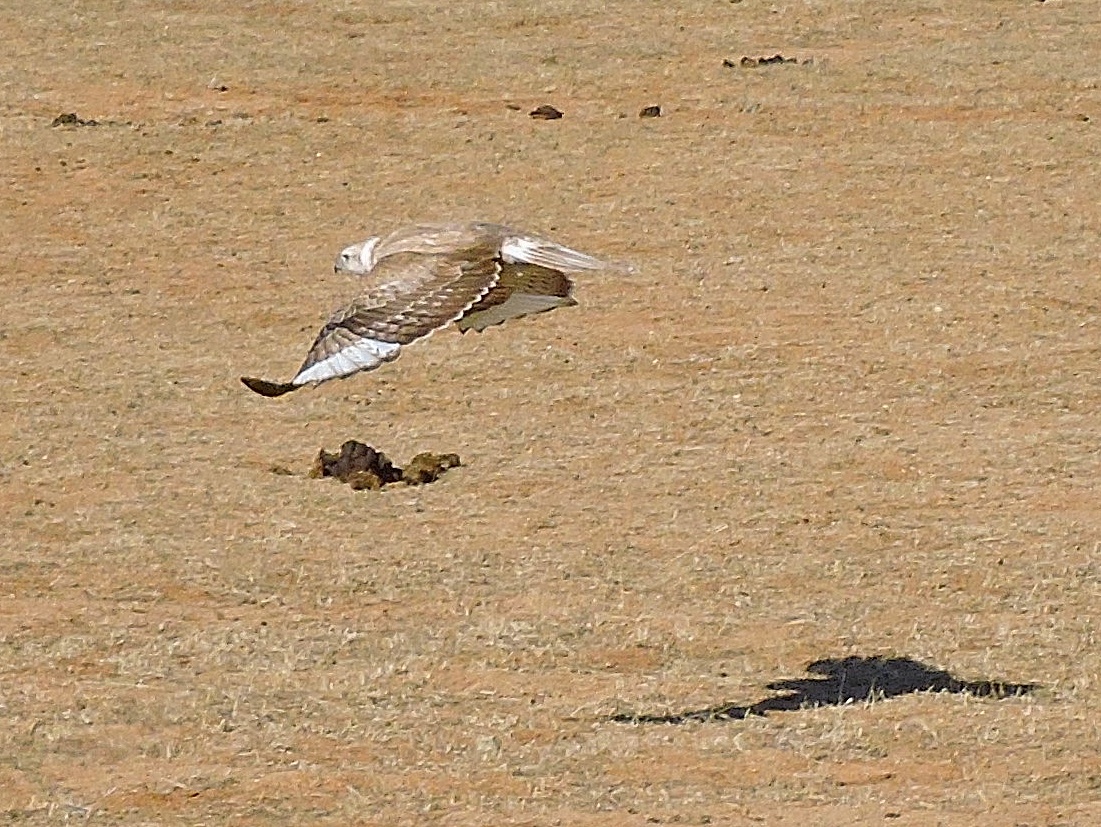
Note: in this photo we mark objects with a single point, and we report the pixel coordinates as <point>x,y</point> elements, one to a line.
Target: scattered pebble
<point>755,62</point>
<point>545,113</point>
<point>72,119</point>
<point>650,112</point>
<point>427,467</point>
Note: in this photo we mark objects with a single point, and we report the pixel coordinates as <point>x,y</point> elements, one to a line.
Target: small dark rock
<point>650,112</point>
<point>354,462</point>
<point>364,468</point>
<point>545,113</point>
<point>755,62</point>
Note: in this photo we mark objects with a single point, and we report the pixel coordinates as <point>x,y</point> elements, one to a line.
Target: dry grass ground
<point>847,407</point>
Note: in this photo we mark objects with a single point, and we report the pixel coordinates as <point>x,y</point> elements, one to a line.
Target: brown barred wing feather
<point>522,289</point>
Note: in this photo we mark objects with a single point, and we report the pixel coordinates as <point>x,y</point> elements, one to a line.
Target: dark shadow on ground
<point>844,680</point>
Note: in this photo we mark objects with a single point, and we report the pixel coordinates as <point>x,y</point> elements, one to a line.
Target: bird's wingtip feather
<point>266,388</point>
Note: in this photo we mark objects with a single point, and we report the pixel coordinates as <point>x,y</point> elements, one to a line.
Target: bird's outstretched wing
<point>521,290</point>
<point>416,295</point>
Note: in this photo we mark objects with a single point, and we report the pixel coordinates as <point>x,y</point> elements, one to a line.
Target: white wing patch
<point>365,354</point>
<point>526,250</point>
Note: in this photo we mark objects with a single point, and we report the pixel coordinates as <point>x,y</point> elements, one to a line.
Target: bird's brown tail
<point>266,388</point>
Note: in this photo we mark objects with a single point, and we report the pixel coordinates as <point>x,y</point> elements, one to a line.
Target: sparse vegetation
<point>845,408</point>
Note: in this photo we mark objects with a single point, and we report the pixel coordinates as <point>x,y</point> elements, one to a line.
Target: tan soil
<point>846,408</point>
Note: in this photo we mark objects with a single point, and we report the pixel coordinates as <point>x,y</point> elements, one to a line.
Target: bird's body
<point>422,278</point>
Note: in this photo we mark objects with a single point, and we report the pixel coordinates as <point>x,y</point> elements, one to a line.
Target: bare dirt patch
<point>843,416</point>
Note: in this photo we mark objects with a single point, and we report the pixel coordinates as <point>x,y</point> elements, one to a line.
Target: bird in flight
<point>422,278</point>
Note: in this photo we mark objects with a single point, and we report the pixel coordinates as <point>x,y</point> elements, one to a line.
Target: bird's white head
<point>358,258</point>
